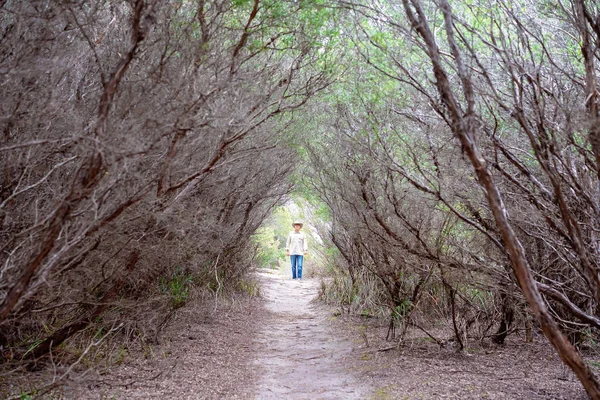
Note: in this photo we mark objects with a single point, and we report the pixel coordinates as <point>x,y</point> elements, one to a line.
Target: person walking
<point>296,248</point>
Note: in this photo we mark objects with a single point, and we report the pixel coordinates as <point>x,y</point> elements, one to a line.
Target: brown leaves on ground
<point>422,370</point>
<point>204,354</point>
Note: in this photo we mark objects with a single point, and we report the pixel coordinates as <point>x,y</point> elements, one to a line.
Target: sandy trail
<point>299,354</point>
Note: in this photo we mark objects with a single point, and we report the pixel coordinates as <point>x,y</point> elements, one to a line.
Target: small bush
<point>177,286</point>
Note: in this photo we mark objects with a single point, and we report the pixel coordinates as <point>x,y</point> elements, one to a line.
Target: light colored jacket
<point>296,243</point>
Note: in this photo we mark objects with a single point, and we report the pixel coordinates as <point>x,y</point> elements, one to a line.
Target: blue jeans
<point>296,260</point>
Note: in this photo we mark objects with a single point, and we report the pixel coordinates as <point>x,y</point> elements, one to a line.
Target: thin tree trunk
<point>463,126</point>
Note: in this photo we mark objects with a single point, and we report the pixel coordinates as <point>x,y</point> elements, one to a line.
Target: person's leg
<point>294,260</point>
<point>299,262</point>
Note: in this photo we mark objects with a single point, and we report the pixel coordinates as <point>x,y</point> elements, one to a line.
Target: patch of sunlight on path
<point>300,355</point>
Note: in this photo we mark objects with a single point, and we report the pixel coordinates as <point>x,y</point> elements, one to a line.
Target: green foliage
<point>271,237</point>
<point>121,355</point>
<point>249,287</point>
<point>402,310</point>
<point>268,247</point>
<point>33,346</point>
<point>177,286</point>
<point>365,297</point>
<point>483,298</point>
<point>238,3</point>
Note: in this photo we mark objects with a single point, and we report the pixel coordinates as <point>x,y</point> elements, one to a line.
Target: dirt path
<point>283,346</point>
<point>299,354</point>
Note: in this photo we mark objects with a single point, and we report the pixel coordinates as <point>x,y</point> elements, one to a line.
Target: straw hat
<point>297,223</point>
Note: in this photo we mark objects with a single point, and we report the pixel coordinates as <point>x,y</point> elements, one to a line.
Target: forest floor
<point>309,351</point>
<point>421,369</point>
<point>279,346</point>
<point>284,345</point>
